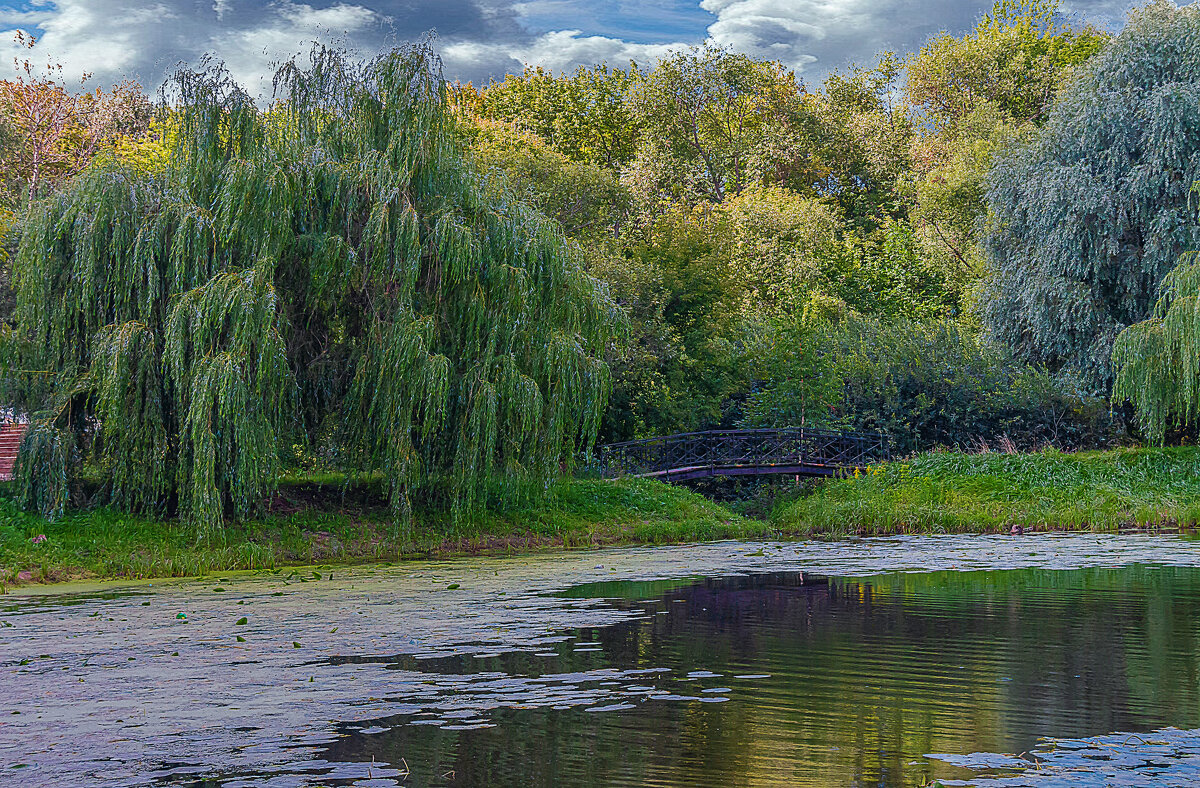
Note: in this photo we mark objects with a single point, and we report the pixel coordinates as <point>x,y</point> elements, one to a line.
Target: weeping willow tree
<point>1090,214</point>
<point>1157,361</point>
<point>328,270</point>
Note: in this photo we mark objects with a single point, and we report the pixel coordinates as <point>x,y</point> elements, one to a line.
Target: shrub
<point>926,384</point>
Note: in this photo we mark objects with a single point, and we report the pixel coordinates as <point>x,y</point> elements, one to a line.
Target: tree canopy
<point>49,132</point>
<point>1091,214</point>
<point>714,192</point>
<point>1158,360</point>
<point>328,272</point>
<point>1016,58</point>
<point>584,115</point>
<point>429,285</point>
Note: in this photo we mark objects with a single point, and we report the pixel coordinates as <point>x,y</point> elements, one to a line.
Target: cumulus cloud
<point>787,30</point>
<point>87,36</point>
<point>144,39</point>
<point>249,52</point>
<point>481,39</point>
<point>115,39</point>
<point>814,36</point>
<point>560,50</point>
<point>1105,14</point>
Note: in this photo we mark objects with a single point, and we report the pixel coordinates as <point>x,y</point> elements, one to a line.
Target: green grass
<point>327,528</point>
<point>315,523</point>
<point>956,492</point>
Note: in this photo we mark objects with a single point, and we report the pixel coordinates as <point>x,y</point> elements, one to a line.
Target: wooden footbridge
<point>786,452</point>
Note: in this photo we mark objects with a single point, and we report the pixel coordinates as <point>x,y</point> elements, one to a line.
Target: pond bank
<point>939,492</point>
<point>304,530</point>
<point>956,492</point>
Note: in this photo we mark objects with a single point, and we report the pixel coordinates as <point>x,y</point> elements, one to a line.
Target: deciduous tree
<point>1091,214</point>
<point>583,115</point>
<point>1016,58</point>
<point>327,271</point>
<point>704,113</point>
<point>56,131</point>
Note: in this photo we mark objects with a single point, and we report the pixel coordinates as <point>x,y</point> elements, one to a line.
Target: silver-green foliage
<point>1090,214</point>
<point>326,270</point>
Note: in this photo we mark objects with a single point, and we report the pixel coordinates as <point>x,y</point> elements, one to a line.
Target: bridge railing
<point>764,448</point>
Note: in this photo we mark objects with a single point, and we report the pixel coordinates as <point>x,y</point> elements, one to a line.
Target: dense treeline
<point>463,287</point>
<point>779,246</point>
<point>944,246</point>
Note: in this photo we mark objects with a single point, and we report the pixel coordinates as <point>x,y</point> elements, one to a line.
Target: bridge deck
<point>791,452</point>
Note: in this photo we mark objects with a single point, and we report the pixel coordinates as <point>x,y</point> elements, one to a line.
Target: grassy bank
<point>956,492</point>
<point>313,523</point>
<point>325,528</point>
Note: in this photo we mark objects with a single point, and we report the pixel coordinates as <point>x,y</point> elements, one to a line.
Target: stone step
<point>10,442</point>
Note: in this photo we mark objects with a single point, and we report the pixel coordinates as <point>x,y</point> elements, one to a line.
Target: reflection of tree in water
<point>865,678</point>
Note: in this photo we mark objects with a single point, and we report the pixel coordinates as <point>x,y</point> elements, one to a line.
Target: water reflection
<point>825,681</point>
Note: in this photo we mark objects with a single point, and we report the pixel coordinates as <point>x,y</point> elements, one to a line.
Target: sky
<point>479,39</point>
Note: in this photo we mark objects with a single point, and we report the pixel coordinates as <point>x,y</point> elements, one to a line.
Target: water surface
<point>791,679</point>
<point>712,665</point>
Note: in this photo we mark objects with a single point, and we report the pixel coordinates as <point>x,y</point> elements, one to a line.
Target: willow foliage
<point>327,271</point>
<point>1158,360</point>
<point>1091,214</point>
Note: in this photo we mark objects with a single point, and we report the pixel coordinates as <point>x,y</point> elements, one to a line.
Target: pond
<point>887,662</point>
